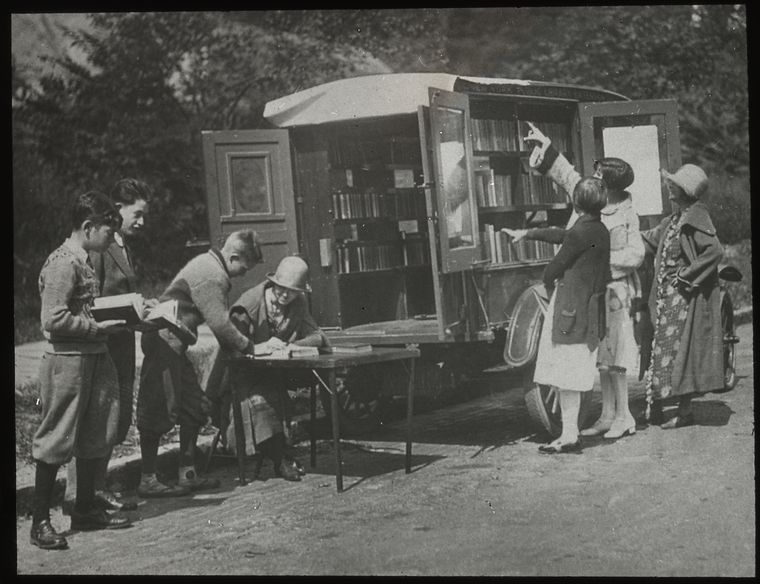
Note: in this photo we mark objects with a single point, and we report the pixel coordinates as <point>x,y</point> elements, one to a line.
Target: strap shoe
<point>44,536</point>
<point>599,427</point>
<point>621,428</point>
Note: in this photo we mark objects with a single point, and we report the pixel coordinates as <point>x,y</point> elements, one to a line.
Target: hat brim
<point>671,177</point>
<point>272,279</point>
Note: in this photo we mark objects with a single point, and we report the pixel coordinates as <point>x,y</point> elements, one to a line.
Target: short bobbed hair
<point>590,195</point>
<point>96,207</point>
<point>617,174</point>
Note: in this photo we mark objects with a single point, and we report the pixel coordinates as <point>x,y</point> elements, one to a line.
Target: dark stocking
<point>44,482</point>
<point>86,469</point>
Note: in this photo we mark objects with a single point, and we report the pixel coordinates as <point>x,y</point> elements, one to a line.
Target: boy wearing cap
<point>169,389</point>
<point>684,302</point>
<point>273,315</point>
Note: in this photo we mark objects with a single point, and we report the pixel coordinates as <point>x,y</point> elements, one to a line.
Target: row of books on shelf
<point>498,190</point>
<point>499,249</point>
<point>365,256</point>
<point>507,135</point>
<point>538,189</point>
<point>350,204</point>
<point>353,152</point>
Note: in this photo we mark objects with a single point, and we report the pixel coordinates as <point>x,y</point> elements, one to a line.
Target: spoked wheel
<point>542,402</point>
<point>361,404</point>
<point>729,344</point>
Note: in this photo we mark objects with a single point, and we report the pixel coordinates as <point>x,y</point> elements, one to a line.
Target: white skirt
<point>564,366</point>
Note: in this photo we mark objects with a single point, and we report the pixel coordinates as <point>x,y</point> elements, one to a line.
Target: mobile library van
<point>395,187</point>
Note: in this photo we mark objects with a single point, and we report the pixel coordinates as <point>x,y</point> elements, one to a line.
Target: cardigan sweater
<point>201,289</point>
<point>68,285</point>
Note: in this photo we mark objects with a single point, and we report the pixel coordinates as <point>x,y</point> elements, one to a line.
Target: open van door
<point>249,185</point>
<point>644,133</point>
<point>457,209</point>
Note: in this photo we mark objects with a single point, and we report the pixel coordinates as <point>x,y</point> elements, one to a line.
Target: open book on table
<point>131,309</point>
<point>291,352</point>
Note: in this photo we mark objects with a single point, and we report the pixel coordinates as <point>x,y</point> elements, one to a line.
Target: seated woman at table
<point>273,315</point>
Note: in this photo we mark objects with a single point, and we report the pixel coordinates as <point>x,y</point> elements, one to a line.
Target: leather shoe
<point>44,536</point>
<point>98,519</point>
<point>297,465</point>
<point>110,502</point>
<point>287,471</point>
<point>678,422</point>
<point>561,447</point>
<point>655,416</point>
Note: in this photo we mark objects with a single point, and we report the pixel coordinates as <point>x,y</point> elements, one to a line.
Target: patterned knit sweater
<point>68,285</point>
<point>201,290</point>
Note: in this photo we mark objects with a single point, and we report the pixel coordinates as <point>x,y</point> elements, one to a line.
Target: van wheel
<point>542,402</point>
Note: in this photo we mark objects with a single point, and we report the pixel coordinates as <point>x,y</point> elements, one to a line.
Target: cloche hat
<point>690,178</point>
<point>291,273</point>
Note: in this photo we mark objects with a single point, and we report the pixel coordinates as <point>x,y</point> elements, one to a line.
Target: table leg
<point>409,411</point>
<point>237,413</point>
<point>335,430</point>
<point>312,422</point>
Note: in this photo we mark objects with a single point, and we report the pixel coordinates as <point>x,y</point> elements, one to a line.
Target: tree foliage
<point>154,81</point>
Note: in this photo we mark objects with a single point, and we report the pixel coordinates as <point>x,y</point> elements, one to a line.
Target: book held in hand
<point>131,309</point>
<point>127,307</point>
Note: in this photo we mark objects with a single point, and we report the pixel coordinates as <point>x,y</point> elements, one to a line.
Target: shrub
<point>729,204</point>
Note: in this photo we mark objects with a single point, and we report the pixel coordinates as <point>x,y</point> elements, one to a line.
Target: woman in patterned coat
<point>684,302</point>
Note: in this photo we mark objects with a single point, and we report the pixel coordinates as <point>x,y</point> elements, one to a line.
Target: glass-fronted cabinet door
<point>452,155</point>
<point>644,133</point>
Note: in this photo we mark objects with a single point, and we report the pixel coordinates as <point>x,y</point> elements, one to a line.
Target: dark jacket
<point>117,276</point>
<point>582,270</point>
<point>698,368</point>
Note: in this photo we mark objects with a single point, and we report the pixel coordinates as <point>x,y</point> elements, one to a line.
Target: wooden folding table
<point>325,366</point>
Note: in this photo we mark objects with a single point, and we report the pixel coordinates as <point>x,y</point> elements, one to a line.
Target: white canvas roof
<point>372,96</point>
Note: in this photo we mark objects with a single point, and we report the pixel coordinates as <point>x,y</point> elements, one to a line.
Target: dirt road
<point>481,500</point>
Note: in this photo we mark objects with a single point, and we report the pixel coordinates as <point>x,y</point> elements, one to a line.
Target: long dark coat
<point>698,366</point>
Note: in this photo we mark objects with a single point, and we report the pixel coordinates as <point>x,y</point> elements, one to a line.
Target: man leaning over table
<point>170,392</point>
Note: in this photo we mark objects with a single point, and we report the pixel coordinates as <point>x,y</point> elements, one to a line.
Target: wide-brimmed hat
<point>691,179</point>
<point>292,273</point>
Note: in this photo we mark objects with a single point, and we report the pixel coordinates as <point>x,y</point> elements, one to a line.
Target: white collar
<point>613,208</point>
<point>118,238</point>
<point>76,249</point>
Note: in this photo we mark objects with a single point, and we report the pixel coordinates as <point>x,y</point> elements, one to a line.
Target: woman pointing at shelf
<point>618,350</point>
